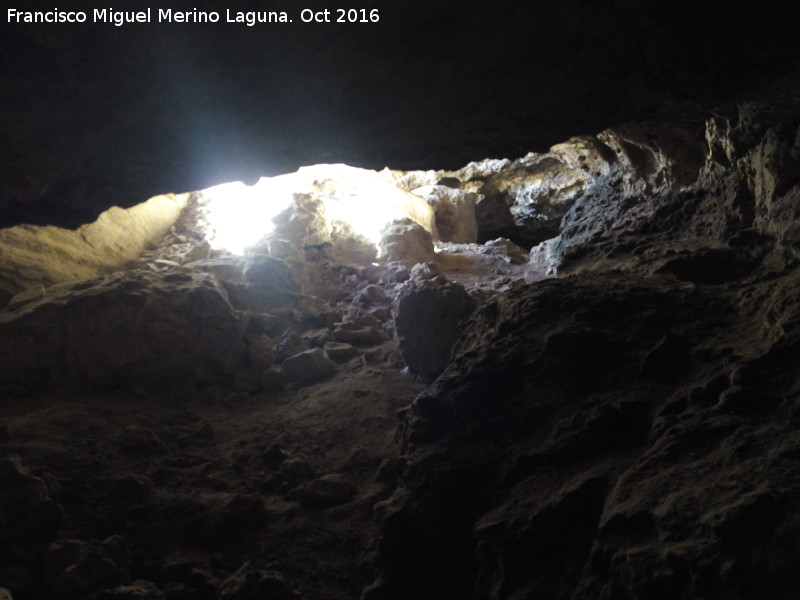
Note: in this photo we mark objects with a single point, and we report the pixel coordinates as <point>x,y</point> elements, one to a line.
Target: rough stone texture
<point>339,351</point>
<point>213,103</point>
<point>38,257</point>
<point>324,492</point>
<point>308,367</point>
<point>26,509</point>
<point>79,567</point>
<point>252,583</point>
<point>628,430</point>
<point>325,204</point>
<point>455,212</point>
<point>405,242</point>
<point>426,317</point>
<point>126,328</point>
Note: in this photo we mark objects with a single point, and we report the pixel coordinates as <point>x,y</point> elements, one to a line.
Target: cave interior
<point>459,302</point>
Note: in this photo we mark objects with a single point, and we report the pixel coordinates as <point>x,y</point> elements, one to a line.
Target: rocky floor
<point>190,486</point>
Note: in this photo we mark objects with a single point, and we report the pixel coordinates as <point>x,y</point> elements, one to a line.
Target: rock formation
<point>600,401</point>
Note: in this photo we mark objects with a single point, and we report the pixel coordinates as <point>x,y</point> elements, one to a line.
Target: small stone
<point>339,351</point>
<point>424,271</point>
<point>317,337</point>
<point>507,250</point>
<point>372,294</point>
<point>308,367</point>
<point>353,333</point>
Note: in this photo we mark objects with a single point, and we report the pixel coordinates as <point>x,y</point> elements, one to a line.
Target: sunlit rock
<point>455,212</point>
<point>406,242</point>
<point>43,256</point>
<point>336,204</point>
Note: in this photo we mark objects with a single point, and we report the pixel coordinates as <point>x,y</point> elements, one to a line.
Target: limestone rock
<point>265,271</point>
<point>406,242</point>
<point>303,222</point>
<point>455,212</point>
<point>370,295</point>
<point>355,333</point>
<point>26,509</point>
<point>340,352</point>
<point>291,343</point>
<point>308,367</point>
<point>526,200</point>
<point>252,583</point>
<point>50,255</point>
<point>506,250</point>
<point>228,269</point>
<point>426,323</point>
<point>261,350</point>
<point>423,271</point>
<point>124,329</point>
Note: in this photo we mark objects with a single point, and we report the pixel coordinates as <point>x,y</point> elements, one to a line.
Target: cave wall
<point>100,115</point>
<point>629,429</point>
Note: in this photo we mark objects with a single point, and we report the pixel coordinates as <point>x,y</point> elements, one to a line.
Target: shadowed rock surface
<point>569,373</point>
<point>616,414</point>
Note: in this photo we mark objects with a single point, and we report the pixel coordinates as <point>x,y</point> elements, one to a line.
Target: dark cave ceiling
<point>95,115</point>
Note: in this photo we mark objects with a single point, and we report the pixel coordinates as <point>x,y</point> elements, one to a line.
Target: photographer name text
<point>121,18</point>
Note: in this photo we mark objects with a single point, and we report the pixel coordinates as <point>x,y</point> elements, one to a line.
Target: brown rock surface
<point>616,418</point>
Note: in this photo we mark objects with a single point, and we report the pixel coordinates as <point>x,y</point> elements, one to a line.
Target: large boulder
<point>404,241</point>
<point>426,318</point>
<point>123,329</point>
<point>308,367</point>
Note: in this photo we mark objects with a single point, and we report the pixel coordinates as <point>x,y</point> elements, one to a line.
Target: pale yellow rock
<point>31,256</point>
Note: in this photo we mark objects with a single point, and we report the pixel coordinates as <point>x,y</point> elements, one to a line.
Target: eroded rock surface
<point>611,414</point>
<point>627,430</point>
<point>427,313</point>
